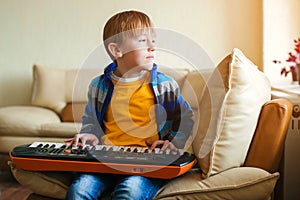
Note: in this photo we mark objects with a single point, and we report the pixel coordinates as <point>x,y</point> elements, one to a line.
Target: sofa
<point>237,139</point>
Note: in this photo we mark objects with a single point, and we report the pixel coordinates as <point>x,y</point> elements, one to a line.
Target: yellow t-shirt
<point>130,118</point>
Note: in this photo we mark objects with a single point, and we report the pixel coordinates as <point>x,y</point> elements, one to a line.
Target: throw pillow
<point>48,89</point>
<point>229,111</point>
<point>51,184</point>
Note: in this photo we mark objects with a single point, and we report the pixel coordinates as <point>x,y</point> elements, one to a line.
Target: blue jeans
<point>94,186</point>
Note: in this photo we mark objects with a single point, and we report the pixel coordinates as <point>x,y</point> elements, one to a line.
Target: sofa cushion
<point>25,120</point>
<point>236,183</point>
<point>229,111</point>
<point>193,87</point>
<point>77,83</point>
<point>178,74</point>
<point>59,130</point>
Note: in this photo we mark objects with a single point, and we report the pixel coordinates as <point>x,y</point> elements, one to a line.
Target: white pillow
<point>229,111</point>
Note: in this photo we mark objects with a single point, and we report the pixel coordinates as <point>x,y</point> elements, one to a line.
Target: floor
<point>10,189</point>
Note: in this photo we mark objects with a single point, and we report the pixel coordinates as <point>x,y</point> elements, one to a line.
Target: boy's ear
<point>115,50</point>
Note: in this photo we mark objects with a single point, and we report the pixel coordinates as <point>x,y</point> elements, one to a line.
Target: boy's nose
<point>151,47</point>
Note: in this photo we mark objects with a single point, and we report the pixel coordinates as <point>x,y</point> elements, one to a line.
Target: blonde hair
<point>127,23</point>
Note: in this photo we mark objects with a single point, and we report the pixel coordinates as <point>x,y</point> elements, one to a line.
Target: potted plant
<point>293,62</point>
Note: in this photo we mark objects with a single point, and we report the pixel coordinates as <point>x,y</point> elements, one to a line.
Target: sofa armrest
<point>268,141</point>
<point>73,112</point>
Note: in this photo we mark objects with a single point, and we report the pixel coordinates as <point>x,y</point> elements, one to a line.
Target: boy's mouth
<point>150,57</point>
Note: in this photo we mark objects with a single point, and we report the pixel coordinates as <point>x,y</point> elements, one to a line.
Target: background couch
<point>233,137</point>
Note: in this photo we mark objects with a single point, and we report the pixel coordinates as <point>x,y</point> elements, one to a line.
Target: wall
<point>61,33</point>
<point>281,25</point>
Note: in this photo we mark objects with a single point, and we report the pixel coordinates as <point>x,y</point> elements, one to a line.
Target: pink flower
<point>293,59</point>
<point>295,56</point>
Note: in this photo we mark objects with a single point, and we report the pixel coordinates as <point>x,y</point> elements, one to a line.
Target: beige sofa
<point>238,136</point>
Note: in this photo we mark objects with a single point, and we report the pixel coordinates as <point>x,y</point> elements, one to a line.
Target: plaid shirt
<point>173,115</point>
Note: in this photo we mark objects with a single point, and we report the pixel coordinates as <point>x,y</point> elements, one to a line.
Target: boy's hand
<point>81,139</point>
<point>163,144</point>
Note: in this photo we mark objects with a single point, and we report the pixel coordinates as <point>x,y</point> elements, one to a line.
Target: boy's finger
<point>149,143</point>
<point>165,145</point>
<point>95,142</point>
<point>75,140</point>
<point>155,144</point>
<point>83,141</point>
<point>69,142</point>
<point>172,147</point>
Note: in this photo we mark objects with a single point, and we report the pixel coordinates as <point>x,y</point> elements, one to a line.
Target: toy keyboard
<point>47,156</point>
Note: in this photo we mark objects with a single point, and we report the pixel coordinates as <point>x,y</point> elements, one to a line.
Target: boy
<point>131,104</point>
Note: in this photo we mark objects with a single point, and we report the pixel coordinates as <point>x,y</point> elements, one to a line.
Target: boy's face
<point>138,52</point>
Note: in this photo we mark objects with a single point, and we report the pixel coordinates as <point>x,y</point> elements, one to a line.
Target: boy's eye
<point>145,39</point>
